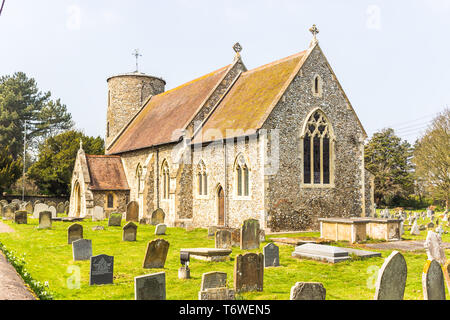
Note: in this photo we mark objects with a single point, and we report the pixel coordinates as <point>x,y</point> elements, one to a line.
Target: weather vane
<point>136,54</point>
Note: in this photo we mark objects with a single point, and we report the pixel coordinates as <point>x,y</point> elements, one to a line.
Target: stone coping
<point>358,220</point>
<point>208,251</point>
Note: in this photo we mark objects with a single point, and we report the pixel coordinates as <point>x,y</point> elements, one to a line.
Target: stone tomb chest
<point>209,254</point>
<point>321,253</point>
<point>358,229</point>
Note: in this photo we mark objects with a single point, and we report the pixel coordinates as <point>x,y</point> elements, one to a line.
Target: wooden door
<point>221,206</point>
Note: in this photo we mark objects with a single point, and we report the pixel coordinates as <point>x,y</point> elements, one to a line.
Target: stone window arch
<point>110,200</point>
<point>165,175</point>
<point>242,176</point>
<point>202,179</point>
<point>318,151</point>
<point>139,178</point>
<point>317,86</point>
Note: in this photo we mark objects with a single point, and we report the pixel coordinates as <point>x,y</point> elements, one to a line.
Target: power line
<point>1,8</point>
<point>402,124</point>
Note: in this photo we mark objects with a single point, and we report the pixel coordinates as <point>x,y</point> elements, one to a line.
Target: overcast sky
<point>391,57</point>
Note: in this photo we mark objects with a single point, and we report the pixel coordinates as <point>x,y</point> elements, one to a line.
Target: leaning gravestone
<point>98,214</point>
<point>45,220</point>
<point>214,279</point>
<point>434,249</point>
<point>115,220</point>
<point>250,234</point>
<point>433,281</point>
<point>129,232</point>
<point>271,255</point>
<point>156,254</point>
<point>308,291</point>
<point>74,232</point>
<point>223,239</point>
<point>391,280</point>
<point>60,207</point>
<point>150,287</point>
<point>157,217</point>
<point>39,207</point>
<point>132,213</point>
<point>20,217</point>
<point>102,269</point>
<point>249,272</point>
<point>160,229</point>
<point>82,249</point>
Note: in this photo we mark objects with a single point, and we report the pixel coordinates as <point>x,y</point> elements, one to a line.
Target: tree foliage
<point>432,158</point>
<point>389,158</point>
<point>20,100</point>
<point>52,172</point>
<point>10,169</point>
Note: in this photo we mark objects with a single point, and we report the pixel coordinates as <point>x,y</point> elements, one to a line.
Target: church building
<point>280,143</point>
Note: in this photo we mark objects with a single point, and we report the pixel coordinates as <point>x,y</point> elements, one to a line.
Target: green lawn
<point>48,257</point>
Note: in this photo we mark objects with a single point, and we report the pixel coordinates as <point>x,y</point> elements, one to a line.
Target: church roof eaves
<point>106,173</point>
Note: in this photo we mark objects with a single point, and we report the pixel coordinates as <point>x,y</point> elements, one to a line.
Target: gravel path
<point>12,286</point>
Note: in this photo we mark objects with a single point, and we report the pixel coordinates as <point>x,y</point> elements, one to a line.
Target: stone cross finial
<point>136,54</point>
<point>237,47</point>
<point>81,143</point>
<point>314,31</point>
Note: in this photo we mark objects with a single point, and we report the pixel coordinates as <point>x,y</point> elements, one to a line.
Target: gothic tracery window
<point>242,177</point>
<point>317,144</point>
<point>202,179</point>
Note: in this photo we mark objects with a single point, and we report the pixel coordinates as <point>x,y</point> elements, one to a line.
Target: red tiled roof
<point>251,99</point>
<point>165,116</point>
<point>106,173</point>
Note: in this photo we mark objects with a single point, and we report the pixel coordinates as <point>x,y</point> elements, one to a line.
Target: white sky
<point>391,57</point>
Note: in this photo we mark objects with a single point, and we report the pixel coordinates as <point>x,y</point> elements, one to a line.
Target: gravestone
<point>20,217</point>
<point>271,255</point>
<point>150,287</point>
<point>433,281</point>
<point>391,280</point>
<point>212,231</point>
<point>39,207</point>
<point>74,232</point>
<point>430,225</point>
<point>45,220</point>
<point>82,249</point>
<point>98,214</point>
<point>66,208</point>
<point>415,229</point>
<point>9,212</point>
<point>115,220</point>
<point>29,207</point>
<point>250,234</point>
<point>52,209</point>
<point>214,279</point>
<point>157,217</point>
<point>144,220</point>
<point>446,270</point>
<point>156,254</point>
<point>308,291</point>
<point>249,272</point>
<point>60,208</point>
<point>216,294</point>
<point>129,232</point>
<point>98,228</point>
<point>102,269</point>
<point>223,239</point>
<point>434,249</point>
<point>51,204</point>
<point>160,229</point>
<point>1,209</point>
<point>132,211</point>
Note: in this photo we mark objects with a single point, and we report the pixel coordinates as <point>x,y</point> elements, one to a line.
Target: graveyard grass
<point>49,257</point>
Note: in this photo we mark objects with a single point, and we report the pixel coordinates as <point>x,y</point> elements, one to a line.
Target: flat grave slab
<point>403,245</point>
<point>299,241</point>
<point>321,253</point>
<point>67,219</point>
<point>362,253</point>
<point>209,254</point>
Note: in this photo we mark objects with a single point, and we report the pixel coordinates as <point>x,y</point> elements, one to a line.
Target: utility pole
<point>24,157</point>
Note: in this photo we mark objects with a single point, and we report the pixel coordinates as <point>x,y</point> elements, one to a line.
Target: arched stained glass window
<point>317,150</point>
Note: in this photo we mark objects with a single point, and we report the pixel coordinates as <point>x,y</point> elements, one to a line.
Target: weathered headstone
<point>308,291</point>
<point>129,232</point>
<point>391,280</point>
<point>249,272</point>
<point>51,204</point>
<point>45,220</point>
<point>115,219</point>
<point>160,229</point>
<point>271,255</point>
<point>446,270</point>
<point>430,225</point>
<point>82,249</point>
<point>132,211</point>
<point>9,212</point>
<point>157,217</point>
<point>433,281</point>
<point>223,239</point>
<point>74,232</point>
<point>98,214</point>
<point>214,279</point>
<point>98,228</point>
<point>250,234</point>
<point>29,207</point>
<point>434,249</point>
<point>150,287</point>
<point>156,254</point>
<point>102,269</point>
<point>415,229</point>
<point>60,207</point>
<point>52,209</point>
<point>20,217</point>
